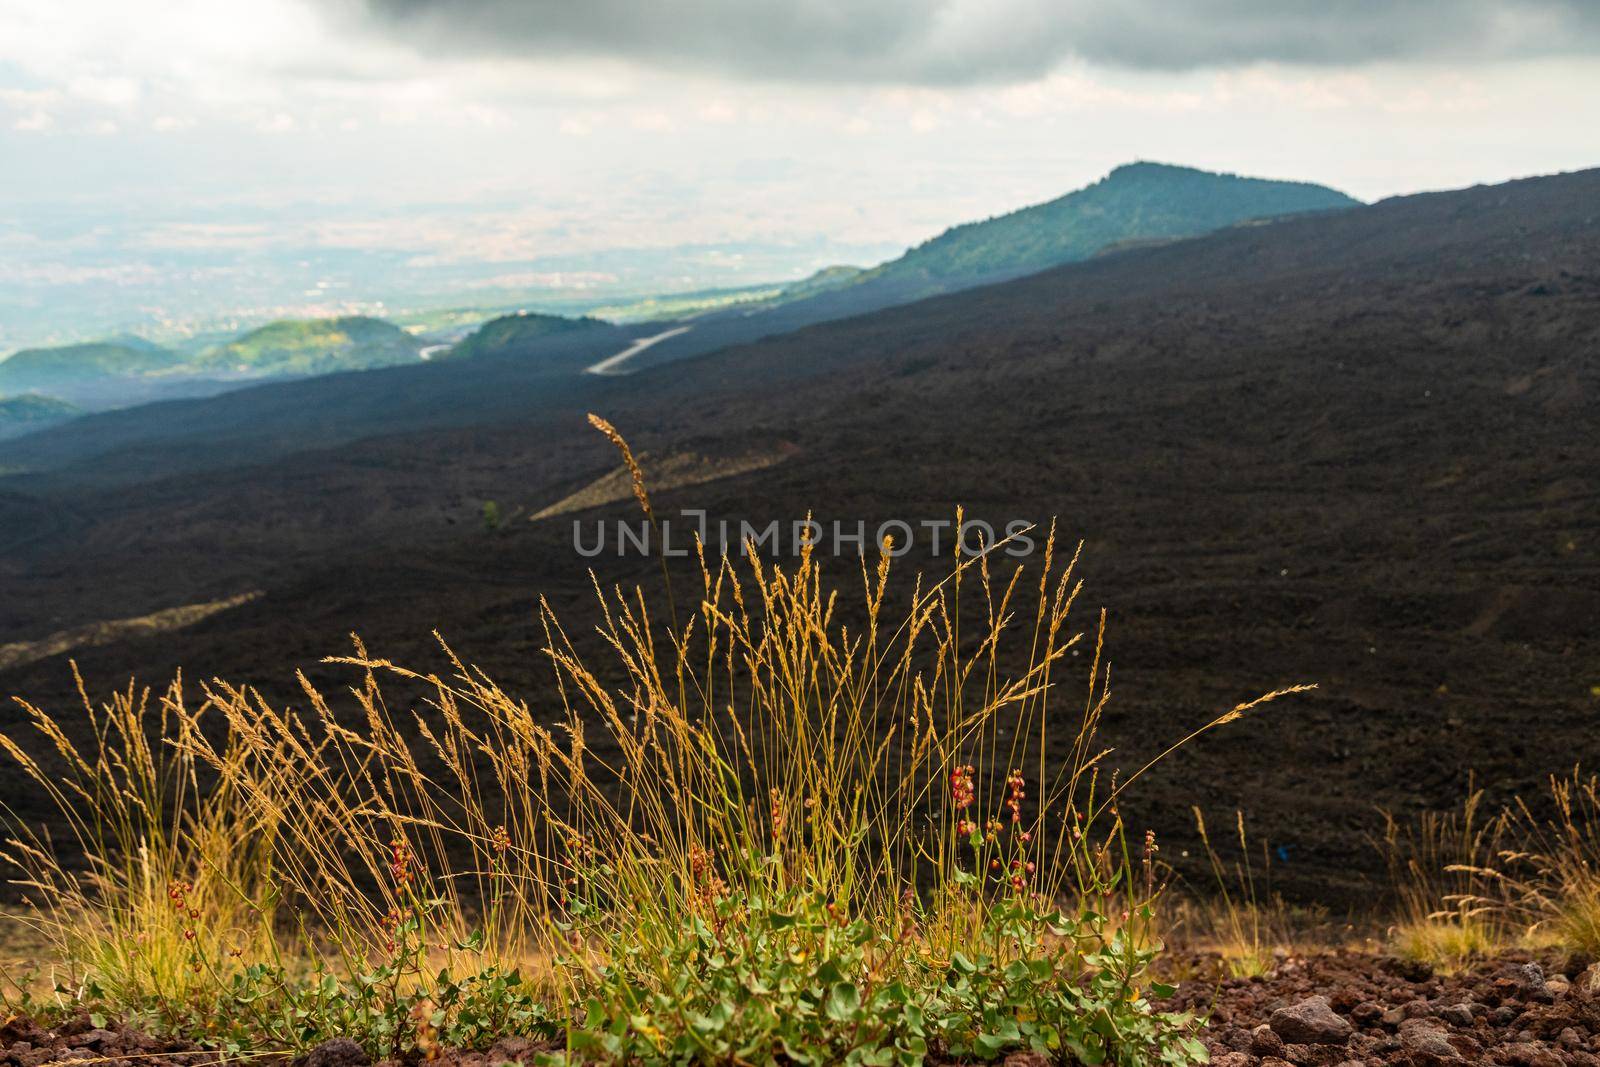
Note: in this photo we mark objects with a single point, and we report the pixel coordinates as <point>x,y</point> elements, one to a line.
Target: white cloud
<point>28,98</point>
<point>282,122</point>
<point>115,92</point>
<point>485,115</point>
<point>653,121</point>
<point>34,122</point>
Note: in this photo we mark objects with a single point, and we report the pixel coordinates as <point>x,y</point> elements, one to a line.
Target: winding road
<point>610,364</point>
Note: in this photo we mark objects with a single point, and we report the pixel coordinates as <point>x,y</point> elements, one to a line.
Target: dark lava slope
<point>1356,449</point>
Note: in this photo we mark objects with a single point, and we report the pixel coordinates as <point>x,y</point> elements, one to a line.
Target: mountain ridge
<point>1081,224</point>
<point>1133,202</point>
<point>509,333</point>
<point>311,346</point>
<point>421,397</point>
<point>30,411</point>
<point>42,369</point>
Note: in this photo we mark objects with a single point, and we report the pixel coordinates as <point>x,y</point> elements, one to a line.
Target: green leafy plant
<point>806,983</point>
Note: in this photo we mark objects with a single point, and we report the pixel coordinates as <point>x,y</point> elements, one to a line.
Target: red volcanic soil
<point>1351,1009</point>
<point>25,1043</point>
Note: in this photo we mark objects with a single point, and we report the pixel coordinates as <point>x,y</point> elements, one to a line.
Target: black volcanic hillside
<point>1353,448</point>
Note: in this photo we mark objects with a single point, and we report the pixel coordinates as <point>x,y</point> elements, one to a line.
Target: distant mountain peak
<point>1147,169</point>
<point>1150,166</point>
<point>1139,201</point>
<point>48,369</point>
<point>312,346</point>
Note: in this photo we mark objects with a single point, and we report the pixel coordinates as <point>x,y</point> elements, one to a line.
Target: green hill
<point>20,414</point>
<point>1136,202</point>
<point>310,346</point>
<point>47,369</point>
<point>510,332</point>
<point>825,280</point>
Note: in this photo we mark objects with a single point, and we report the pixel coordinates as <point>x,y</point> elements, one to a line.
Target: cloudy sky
<point>514,131</point>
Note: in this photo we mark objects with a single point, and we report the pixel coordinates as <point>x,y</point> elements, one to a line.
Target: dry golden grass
<point>170,871</point>
<point>1471,885</point>
<point>751,757</point>
<point>1238,916</point>
<point>1436,866</point>
<point>1547,878</point>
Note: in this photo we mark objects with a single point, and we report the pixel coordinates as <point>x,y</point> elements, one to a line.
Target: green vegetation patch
<point>510,332</point>
<point>1136,202</point>
<point>43,369</point>
<point>312,346</point>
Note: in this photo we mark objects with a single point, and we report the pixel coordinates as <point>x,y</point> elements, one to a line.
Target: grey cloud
<point>963,41</point>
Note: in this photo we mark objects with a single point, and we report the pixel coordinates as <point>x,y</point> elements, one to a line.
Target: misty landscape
<point>1149,619</point>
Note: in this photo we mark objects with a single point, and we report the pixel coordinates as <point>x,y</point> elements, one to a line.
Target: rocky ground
<point>24,1043</point>
<point>1348,1009</point>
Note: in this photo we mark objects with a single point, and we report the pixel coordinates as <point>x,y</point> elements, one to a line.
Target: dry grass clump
<point>1436,868</point>
<point>1239,917</point>
<point>766,748</point>
<point>874,824</point>
<point>1471,885</point>
<point>173,873</point>
<point>1549,878</point>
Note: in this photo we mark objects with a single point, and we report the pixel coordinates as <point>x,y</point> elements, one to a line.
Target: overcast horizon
<point>188,158</point>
